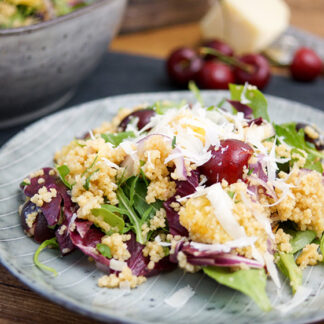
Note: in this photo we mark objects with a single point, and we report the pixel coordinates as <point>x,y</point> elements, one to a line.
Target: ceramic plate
<point>76,285</point>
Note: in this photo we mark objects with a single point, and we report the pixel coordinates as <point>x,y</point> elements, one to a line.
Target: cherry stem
<point>227,59</point>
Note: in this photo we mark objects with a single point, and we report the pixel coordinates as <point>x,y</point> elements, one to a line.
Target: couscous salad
<point>217,189</point>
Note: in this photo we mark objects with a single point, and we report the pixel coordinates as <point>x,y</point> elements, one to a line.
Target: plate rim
<point>73,305</point>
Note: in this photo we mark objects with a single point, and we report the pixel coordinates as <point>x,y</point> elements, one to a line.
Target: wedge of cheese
<point>246,25</point>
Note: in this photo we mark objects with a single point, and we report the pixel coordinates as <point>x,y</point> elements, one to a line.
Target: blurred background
<point>61,59</point>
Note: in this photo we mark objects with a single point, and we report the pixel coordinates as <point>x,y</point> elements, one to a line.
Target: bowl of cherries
<point>215,65</point>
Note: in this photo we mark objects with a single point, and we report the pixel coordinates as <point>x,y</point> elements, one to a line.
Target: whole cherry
<point>306,65</point>
<point>227,162</point>
<point>215,75</point>
<point>182,65</point>
<point>260,71</point>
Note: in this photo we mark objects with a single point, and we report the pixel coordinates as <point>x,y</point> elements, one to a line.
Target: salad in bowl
<point>217,189</point>
<point>20,13</point>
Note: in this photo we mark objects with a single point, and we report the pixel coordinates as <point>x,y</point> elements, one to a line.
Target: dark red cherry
<point>306,65</point>
<point>182,65</point>
<point>215,75</point>
<point>260,74</point>
<point>144,116</point>
<point>227,161</point>
<point>218,46</point>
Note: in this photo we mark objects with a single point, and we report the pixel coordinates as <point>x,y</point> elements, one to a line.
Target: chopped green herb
<point>251,282</point>
<point>142,163</point>
<point>231,194</point>
<point>132,190</point>
<point>44,245</point>
<point>104,250</point>
<point>23,184</point>
<point>195,90</point>
<point>174,142</point>
<point>91,166</point>
<point>161,107</point>
<point>221,103</point>
<point>86,185</point>
<point>287,265</point>
<point>63,171</point>
<point>116,139</point>
<point>109,216</point>
<point>250,171</point>
<point>258,102</point>
<point>144,177</point>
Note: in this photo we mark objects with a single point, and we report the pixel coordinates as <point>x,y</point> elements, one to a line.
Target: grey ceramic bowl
<point>41,65</point>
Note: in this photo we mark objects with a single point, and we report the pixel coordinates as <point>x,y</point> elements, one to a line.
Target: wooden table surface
<point>20,305</point>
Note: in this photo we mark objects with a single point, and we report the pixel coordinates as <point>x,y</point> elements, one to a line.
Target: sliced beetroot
<point>138,263</point>
<point>87,243</point>
<point>51,210</point>
<point>227,161</point>
<point>184,188</point>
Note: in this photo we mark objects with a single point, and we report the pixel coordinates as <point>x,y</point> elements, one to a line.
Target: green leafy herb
<point>86,185</point>
<point>287,265</point>
<point>195,90</point>
<point>144,177</point>
<point>251,282</point>
<point>161,107</point>
<point>116,139</point>
<point>107,212</point>
<point>301,239</point>
<point>258,102</point>
<point>250,171</point>
<point>63,171</point>
<point>44,245</point>
<point>221,103</point>
<point>174,142</point>
<point>104,250</point>
<point>132,203</point>
<point>133,217</point>
<point>296,139</point>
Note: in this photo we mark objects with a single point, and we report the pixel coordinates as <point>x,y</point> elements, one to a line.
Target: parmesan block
<point>247,26</point>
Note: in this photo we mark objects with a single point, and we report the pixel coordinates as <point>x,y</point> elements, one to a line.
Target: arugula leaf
<point>195,90</point>
<point>251,282</point>
<point>258,102</point>
<point>132,190</point>
<point>116,139</point>
<point>63,171</point>
<point>109,217</point>
<point>287,265</point>
<point>140,203</point>
<point>296,139</point>
<point>104,250</point>
<point>43,246</point>
<point>301,239</point>
<point>134,219</point>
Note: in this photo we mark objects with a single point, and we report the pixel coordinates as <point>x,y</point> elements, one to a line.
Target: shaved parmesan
<point>110,164</point>
<point>180,297</point>
<point>271,267</point>
<point>226,247</point>
<point>223,206</point>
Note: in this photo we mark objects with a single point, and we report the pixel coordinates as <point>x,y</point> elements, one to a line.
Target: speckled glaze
<point>76,285</point>
<point>40,65</point>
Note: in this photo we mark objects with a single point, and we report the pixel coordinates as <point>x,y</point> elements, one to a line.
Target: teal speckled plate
<point>76,285</point>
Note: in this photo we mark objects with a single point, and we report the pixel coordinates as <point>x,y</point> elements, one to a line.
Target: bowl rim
<point>42,25</point>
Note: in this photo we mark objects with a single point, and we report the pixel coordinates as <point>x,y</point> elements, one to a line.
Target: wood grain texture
<point>20,305</point>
